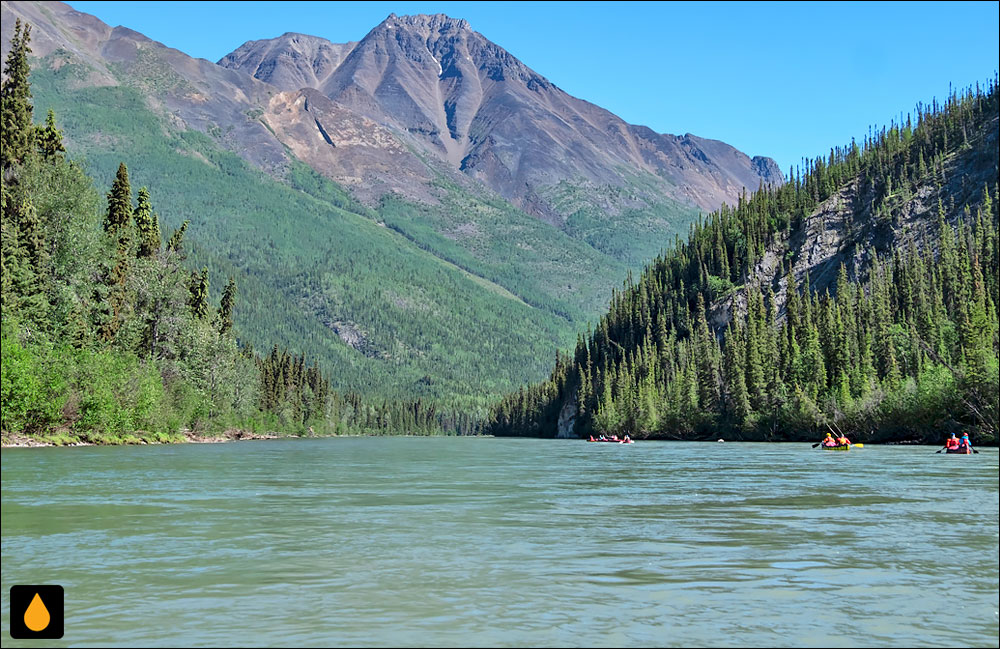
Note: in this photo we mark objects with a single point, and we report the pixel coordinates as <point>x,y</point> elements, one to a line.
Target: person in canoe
<point>952,443</point>
<point>843,441</point>
<point>829,440</point>
<point>964,443</point>
<point>626,439</point>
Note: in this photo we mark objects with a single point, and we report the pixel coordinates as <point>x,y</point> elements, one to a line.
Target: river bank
<point>67,438</point>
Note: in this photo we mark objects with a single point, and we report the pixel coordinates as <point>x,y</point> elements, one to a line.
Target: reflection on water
<point>459,542</point>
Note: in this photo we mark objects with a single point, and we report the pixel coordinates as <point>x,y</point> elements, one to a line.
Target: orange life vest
<point>952,443</point>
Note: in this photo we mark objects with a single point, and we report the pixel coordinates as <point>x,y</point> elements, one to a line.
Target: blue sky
<point>788,80</point>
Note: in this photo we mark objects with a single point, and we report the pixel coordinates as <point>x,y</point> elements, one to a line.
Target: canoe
<point>959,451</point>
<point>611,441</point>
<point>845,447</point>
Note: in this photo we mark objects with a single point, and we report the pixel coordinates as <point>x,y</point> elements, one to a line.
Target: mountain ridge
<point>465,98</point>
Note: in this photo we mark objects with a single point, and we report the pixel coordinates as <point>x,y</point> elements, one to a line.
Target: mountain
<point>195,93</point>
<point>350,240</point>
<point>860,297</point>
<point>473,105</point>
<point>291,61</point>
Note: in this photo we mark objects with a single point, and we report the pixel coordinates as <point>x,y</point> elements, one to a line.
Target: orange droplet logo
<point>37,616</point>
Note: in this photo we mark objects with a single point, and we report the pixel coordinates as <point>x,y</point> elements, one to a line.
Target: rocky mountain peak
<point>290,61</point>
<point>441,23</point>
<point>447,90</point>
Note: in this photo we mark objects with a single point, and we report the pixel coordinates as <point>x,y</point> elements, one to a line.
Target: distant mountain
<point>354,237</point>
<point>291,61</point>
<point>482,111</point>
<point>194,92</point>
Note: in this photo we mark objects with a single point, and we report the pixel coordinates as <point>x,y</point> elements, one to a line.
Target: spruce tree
<point>706,352</point>
<point>119,204</point>
<point>15,100</point>
<point>226,308</point>
<point>739,400</point>
<point>48,138</point>
<point>176,242</point>
<point>147,226</point>
<point>198,288</point>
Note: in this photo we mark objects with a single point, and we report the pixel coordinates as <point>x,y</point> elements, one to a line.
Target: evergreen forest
<point>730,335</point>
<point>109,332</point>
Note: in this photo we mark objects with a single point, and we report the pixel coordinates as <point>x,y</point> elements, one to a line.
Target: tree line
<point>108,336</point>
<point>901,346</point>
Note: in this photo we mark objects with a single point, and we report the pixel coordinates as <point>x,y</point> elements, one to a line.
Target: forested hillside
<point>350,286</point>
<point>404,276</point>
<point>861,296</point>
<point>110,335</point>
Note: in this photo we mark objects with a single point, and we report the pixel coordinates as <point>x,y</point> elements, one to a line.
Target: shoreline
<point>20,440</point>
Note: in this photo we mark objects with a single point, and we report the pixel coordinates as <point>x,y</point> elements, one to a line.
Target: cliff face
<point>845,230</point>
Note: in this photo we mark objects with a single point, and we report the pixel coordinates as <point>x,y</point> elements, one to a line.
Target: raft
<point>845,447</point>
<point>960,451</point>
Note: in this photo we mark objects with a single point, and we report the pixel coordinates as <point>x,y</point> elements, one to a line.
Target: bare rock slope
<point>456,95</point>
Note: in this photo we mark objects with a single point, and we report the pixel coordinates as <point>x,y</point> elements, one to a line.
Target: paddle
<point>840,434</point>
<point>821,441</point>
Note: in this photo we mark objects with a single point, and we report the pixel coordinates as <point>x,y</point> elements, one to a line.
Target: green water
<point>472,542</point>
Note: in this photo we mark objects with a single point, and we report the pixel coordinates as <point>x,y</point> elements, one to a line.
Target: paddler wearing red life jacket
<point>843,441</point>
<point>952,443</point>
<point>964,442</point>
<point>829,440</point>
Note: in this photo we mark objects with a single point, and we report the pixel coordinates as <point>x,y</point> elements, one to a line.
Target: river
<point>506,542</point>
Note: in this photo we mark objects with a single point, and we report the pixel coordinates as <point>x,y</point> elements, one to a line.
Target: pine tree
<point>48,138</point>
<point>176,242</point>
<point>27,265</point>
<point>739,400</point>
<point>706,352</point>
<point>147,226</point>
<point>119,204</point>
<point>198,288</point>
<point>15,98</point>
<point>226,308</point>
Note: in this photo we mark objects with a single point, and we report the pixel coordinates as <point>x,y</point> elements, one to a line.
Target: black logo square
<point>36,612</point>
